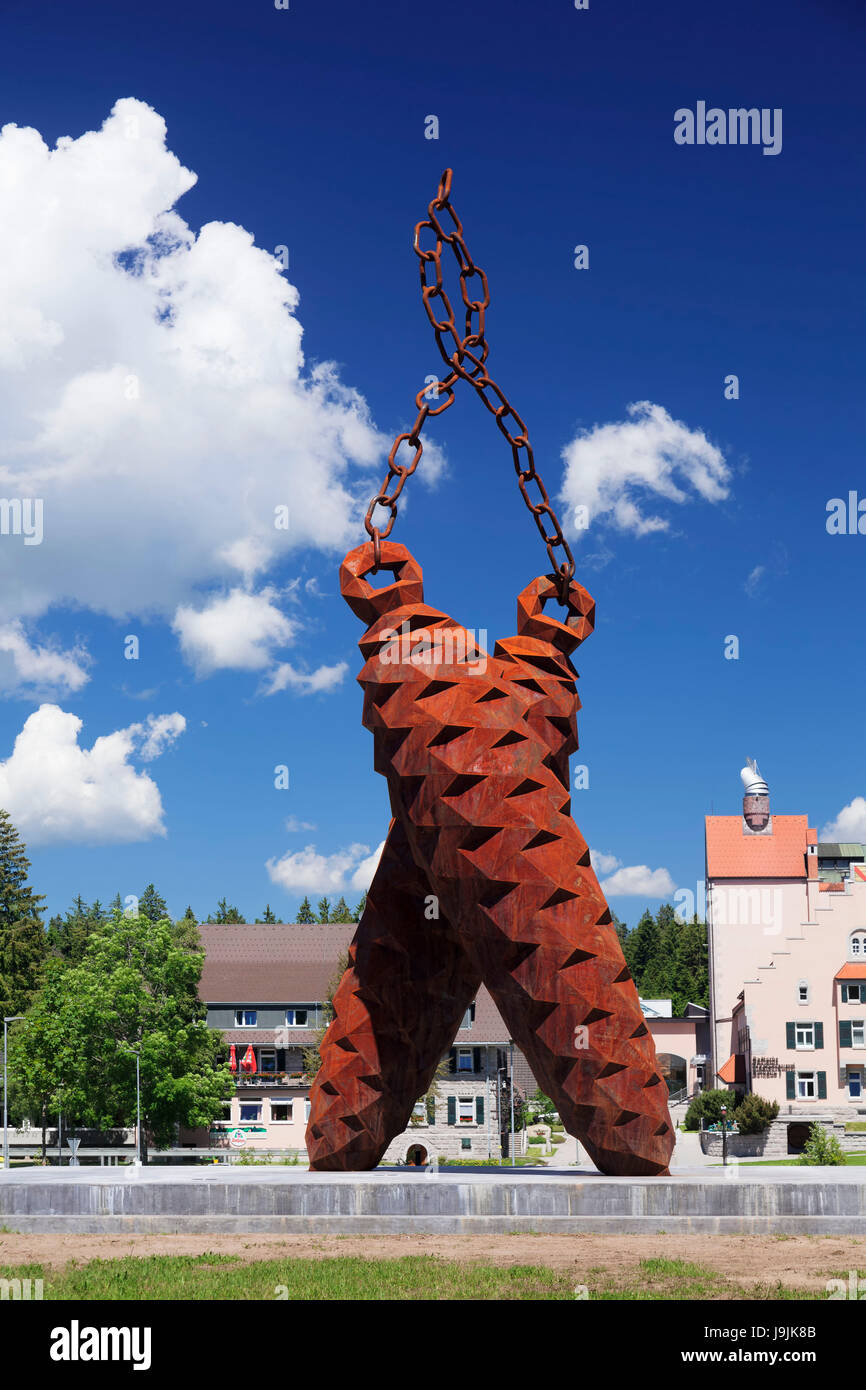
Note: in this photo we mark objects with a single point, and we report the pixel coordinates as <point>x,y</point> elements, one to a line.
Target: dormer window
<point>296,1018</point>
<point>246,1018</point>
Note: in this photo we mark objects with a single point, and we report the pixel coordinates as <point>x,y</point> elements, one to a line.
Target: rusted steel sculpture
<point>475,749</point>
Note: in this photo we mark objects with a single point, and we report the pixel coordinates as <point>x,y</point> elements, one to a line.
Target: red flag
<point>233,1058</point>
<point>248,1062</point>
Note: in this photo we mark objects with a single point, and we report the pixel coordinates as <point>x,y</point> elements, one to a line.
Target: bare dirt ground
<point>797,1262</point>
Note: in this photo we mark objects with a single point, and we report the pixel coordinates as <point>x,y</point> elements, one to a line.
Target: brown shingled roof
<point>293,963</point>
<point>282,963</point>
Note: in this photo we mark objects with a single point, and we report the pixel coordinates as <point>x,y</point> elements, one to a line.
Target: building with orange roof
<point>786,927</point>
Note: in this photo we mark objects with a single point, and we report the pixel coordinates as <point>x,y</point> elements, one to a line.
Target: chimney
<point>756,800</point>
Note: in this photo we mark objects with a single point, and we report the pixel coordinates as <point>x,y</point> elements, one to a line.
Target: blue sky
<point>306,128</point>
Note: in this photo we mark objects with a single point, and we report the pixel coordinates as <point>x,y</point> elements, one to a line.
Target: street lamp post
<point>137,1055</point>
<point>12,1018</point>
<point>511,1069</point>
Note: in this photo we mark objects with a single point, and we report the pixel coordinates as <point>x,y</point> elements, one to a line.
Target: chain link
<point>465,357</point>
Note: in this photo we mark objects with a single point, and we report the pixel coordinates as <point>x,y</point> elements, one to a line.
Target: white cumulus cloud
<point>58,792</point>
<point>638,881</point>
<point>26,668</point>
<point>324,678</point>
<point>603,863</point>
<point>238,630</point>
<point>611,469</point>
<point>306,871</point>
<point>849,827</point>
<point>155,396</point>
<point>158,733</point>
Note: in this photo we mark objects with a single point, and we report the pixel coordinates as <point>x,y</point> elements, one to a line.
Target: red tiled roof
<point>733,853</point>
<point>734,1070</point>
<point>851,971</point>
<point>831,888</point>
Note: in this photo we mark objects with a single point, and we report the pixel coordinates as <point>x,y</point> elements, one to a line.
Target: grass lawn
<point>222,1277</point>
<point>851,1160</point>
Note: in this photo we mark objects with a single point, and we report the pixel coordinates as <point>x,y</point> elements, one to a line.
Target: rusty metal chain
<point>466,357</point>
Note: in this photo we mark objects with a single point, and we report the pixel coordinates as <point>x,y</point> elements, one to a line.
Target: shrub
<point>754,1115</point>
<point>708,1107</point>
<point>822,1148</point>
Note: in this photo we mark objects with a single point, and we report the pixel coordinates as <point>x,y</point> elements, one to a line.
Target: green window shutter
<point>479,1110</point>
<point>452,1060</point>
<point>790,1035</point>
<point>476,1059</point>
<point>845,1032</point>
<point>822,1085</point>
<point>844,994</point>
<point>790,1085</point>
<point>431,1110</point>
<point>819,1035</point>
<point>452,1110</point>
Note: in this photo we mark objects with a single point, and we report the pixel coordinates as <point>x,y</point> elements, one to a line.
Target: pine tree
<point>152,905</point>
<point>23,942</point>
<point>305,913</point>
<point>359,910</point>
<point>68,936</point>
<point>268,917</point>
<point>227,913</point>
<point>341,913</point>
<point>324,910</point>
<point>189,916</point>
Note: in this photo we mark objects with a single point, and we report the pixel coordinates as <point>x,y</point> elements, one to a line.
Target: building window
<point>468,1017</point>
<point>854,994</point>
<point>246,1018</point>
<point>858,1032</point>
<point>251,1111</point>
<point>857,946</point>
<point>307,1107</point>
<point>419,1109</point>
<point>464,1059</point>
<point>803,992</point>
<point>267,1059</point>
<point>465,1111</point>
<point>805,1085</point>
<point>855,1085</point>
<point>466,1143</point>
<point>805,1036</point>
<point>281,1112</point>
<point>296,1018</point>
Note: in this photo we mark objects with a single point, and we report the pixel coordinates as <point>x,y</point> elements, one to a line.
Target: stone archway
<point>798,1135</point>
<point>416,1155</point>
<point>674,1070</point>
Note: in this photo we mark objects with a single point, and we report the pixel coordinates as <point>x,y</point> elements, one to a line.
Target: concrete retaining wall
<point>393,1204</point>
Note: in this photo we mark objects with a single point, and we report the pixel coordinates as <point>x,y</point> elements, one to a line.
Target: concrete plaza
<point>167,1199</point>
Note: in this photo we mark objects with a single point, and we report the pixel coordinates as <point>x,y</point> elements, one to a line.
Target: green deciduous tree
<point>135,988</point>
